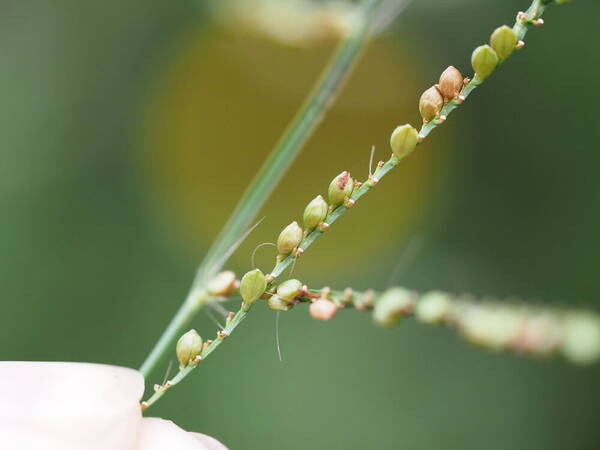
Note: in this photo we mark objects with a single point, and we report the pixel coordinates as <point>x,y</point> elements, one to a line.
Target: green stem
<point>285,151</point>
<point>336,214</point>
<point>193,302</point>
<point>185,371</point>
<point>299,130</point>
<point>535,11</point>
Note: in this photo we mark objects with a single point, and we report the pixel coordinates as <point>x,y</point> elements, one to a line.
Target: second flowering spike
<point>340,188</point>
<point>430,104</point>
<point>188,347</point>
<point>503,41</point>
<point>252,287</point>
<point>315,212</point>
<point>289,239</point>
<point>484,60</point>
<point>404,139</point>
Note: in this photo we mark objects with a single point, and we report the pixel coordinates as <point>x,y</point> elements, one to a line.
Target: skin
<point>74,406</point>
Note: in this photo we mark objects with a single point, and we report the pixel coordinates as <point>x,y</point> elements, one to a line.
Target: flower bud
<point>432,307</point>
<point>223,284</point>
<point>188,347</point>
<point>403,140</point>
<point>581,339</point>
<point>289,290</point>
<point>252,286</point>
<point>322,309</point>
<point>484,60</point>
<point>276,303</point>
<point>392,304</point>
<point>430,104</point>
<point>340,188</point>
<point>451,82</point>
<point>315,212</point>
<point>289,239</point>
<point>503,41</point>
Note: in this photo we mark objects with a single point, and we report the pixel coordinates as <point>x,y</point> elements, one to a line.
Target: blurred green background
<point>129,129</point>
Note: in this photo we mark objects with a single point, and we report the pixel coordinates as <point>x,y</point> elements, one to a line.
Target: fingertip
<point>56,405</point>
<point>210,443</point>
<point>158,434</point>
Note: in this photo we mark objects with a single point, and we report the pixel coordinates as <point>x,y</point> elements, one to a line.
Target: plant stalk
<point>306,120</point>
<point>198,296</point>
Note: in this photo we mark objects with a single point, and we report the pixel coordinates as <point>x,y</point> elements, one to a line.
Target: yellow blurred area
<point>220,106</point>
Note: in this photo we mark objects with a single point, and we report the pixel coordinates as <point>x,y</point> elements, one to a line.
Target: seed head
<point>340,188</point>
<point>403,141</point>
<point>252,287</point>
<point>289,290</point>
<point>392,304</point>
<point>430,104</point>
<point>322,309</point>
<point>289,239</point>
<point>188,347</point>
<point>503,41</point>
<point>315,212</point>
<point>484,60</point>
<point>276,303</point>
<point>223,284</point>
<point>451,82</point>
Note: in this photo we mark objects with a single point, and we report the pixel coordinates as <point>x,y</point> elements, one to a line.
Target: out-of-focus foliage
<point>129,129</point>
